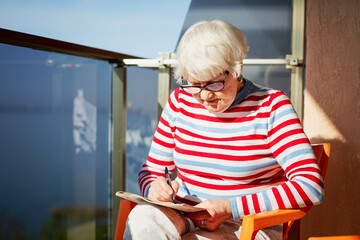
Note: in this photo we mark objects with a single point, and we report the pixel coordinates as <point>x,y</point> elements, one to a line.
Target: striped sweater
<point>255,153</point>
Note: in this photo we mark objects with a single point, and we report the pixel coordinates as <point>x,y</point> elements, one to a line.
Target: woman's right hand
<point>160,191</point>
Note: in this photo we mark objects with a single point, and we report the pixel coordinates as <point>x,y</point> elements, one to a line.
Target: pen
<point>169,181</point>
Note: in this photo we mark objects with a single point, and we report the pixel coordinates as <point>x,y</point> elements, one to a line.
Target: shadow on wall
<point>332,112</point>
<point>338,214</point>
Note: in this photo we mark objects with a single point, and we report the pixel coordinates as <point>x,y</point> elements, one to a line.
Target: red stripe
<point>144,179</point>
<point>172,106</point>
<point>162,143</point>
<point>222,177</point>
<point>245,205</point>
<point>164,122</point>
<point>290,196</point>
<point>237,119</point>
<point>289,145</point>
<point>310,177</point>
<point>237,138</point>
<point>282,125</point>
<point>301,164</point>
<point>158,162</point>
<point>164,133</point>
<point>281,103</point>
<point>314,179</point>
<point>256,203</point>
<point>217,187</point>
<point>278,198</point>
<point>302,171</point>
<point>221,146</point>
<point>285,135</point>
<point>302,194</point>
<point>222,156</point>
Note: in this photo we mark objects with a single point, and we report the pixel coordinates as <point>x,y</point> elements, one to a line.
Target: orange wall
<point>332,111</point>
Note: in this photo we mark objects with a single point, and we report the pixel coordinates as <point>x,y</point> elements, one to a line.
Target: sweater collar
<point>248,88</point>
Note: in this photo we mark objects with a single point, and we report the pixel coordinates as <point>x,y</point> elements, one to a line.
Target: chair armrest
<point>252,223</point>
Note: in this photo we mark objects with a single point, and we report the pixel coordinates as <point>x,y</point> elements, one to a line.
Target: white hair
<point>208,49</point>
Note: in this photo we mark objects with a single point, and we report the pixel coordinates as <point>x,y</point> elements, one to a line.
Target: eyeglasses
<point>213,87</point>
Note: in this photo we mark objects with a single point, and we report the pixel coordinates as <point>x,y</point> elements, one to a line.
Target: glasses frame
<point>200,88</point>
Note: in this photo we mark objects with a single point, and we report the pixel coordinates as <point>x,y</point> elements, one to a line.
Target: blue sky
<point>141,28</point>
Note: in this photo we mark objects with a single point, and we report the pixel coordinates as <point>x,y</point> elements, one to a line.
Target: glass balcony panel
<point>142,107</point>
<point>273,76</point>
<point>54,145</point>
<point>267,24</point>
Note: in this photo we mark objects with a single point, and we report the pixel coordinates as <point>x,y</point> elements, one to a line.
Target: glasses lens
<point>216,86</point>
<point>191,90</point>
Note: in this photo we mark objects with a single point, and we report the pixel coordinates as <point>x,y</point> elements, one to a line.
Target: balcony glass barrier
<point>142,84</point>
<point>267,25</point>
<point>54,145</point>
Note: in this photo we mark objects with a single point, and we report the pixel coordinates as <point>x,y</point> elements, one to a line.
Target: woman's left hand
<point>218,210</point>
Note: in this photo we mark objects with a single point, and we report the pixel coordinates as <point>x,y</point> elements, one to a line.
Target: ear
<point>239,67</point>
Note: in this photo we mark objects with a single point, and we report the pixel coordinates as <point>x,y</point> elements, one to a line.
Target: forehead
<point>203,80</point>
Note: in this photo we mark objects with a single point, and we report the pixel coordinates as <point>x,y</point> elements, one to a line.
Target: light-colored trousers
<point>159,223</point>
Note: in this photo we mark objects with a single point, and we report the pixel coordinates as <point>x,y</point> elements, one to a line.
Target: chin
<point>215,110</point>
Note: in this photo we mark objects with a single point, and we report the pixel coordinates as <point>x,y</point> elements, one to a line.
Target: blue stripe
<point>203,128</point>
<point>281,114</point>
<point>147,191</point>
<point>266,201</point>
<point>143,174</point>
<point>204,195</point>
<point>295,154</point>
<point>223,167</point>
<point>166,113</point>
<point>234,208</point>
<point>161,153</point>
<point>317,194</point>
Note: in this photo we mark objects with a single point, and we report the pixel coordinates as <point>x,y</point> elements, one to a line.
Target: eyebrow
<point>218,78</point>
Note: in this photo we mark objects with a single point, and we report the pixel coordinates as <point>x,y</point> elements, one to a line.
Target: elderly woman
<point>238,147</point>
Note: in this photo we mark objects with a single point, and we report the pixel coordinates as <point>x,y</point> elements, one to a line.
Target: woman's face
<point>217,102</point>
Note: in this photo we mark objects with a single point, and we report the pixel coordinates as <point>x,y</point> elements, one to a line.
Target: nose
<point>206,94</point>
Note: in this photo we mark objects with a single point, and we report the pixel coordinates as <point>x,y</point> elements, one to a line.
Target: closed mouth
<point>211,101</point>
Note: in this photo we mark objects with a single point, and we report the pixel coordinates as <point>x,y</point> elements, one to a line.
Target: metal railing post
<point>297,57</point>
<point>118,140</point>
<point>164,83</point>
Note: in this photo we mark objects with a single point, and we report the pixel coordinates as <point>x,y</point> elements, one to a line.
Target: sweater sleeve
<point>293,152</point>
<point>161,149</point>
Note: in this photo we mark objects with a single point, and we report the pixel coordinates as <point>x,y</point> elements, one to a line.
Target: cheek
<point>197,97</point>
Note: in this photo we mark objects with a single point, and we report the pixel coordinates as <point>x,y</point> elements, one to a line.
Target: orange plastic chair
<point>124,211</point>
<point>251,223</point>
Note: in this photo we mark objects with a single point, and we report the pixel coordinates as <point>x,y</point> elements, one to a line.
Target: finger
<point>156,192</point>
<point>162,183</point>
<point>175,186</point>
<point>160,196</point>
<point>197,216</point>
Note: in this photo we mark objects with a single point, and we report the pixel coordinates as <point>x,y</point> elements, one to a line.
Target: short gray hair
<point>207,49</point>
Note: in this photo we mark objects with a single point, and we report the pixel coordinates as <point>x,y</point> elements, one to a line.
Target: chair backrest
<point>321,151</point>
<point>124,210</point>
<point>322,154</point>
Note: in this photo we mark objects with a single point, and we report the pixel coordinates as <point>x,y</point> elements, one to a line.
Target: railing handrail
<point>48,44</point>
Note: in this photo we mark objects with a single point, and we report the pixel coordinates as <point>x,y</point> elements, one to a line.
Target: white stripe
<point>261,203</point>
<point>297,196</point>
<point>284,197</point>
<point>250,204</point>
<point>272,198</point>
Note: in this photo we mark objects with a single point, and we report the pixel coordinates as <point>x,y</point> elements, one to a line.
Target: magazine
<point>143,200</point>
